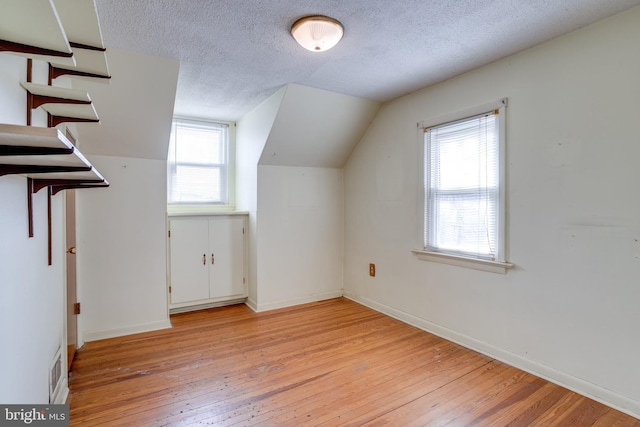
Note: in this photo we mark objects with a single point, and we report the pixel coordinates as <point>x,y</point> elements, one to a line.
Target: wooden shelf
<point>44,154</point>
<point>30,164</point>
<point>89,63</point>
<point>63,113</point>
<point>33,29</point>
<point>80,22</point>
<point>59,181</point>
<point>45,94</point>
<point>42,30</point>
<point>49,160</point>
<point>89,177</point>
<point>16,140</point>
<point>62,104</point>
<point>66,35</point>
<point>82,27</point>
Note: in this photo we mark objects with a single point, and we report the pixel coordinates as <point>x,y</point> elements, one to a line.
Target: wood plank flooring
<point>331,363</point>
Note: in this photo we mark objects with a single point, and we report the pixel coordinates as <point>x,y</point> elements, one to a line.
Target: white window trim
<point>185,208</point>
<point>460,261</point>
<point>495,266</point>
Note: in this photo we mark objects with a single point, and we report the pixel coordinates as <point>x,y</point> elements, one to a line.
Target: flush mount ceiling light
<point>317,33</point>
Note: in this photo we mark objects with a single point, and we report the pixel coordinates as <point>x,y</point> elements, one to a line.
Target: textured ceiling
<point>235,53</point>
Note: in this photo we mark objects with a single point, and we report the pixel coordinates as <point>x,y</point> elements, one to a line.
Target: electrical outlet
<point>372,270</point>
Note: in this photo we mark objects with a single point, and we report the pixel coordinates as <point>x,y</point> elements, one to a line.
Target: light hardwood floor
<point>332,363</point>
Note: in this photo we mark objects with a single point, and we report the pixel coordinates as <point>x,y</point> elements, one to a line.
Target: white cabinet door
<point>189,264</point>
<point>226,252</point>
<point>207,260</point>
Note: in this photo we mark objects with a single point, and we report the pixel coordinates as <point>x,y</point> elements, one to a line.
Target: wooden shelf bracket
<point>12,47</point>
<point>61,104</point>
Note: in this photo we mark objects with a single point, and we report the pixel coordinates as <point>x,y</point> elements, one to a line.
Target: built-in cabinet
<point>207,260</point>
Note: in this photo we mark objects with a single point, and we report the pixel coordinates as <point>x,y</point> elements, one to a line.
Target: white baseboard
<point>251,304</point>
<point>128,330</point>
<point>585,388</point>
<point>63,392</point>
<point>187,308</point>
<point>296,301</point>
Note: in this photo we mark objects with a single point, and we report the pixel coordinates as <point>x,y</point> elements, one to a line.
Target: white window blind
<point>462,195</point>
<point>197,163</point>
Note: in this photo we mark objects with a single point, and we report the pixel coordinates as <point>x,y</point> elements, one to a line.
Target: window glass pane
<point>197,145</point>
<point>461,186</point>
<point>464,155</point>
<point>465,224</point>
<point>196,184</point>
<point>197,163</point>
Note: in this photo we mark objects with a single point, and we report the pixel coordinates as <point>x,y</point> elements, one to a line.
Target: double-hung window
<point>464,205</point>
<point>198,163</point>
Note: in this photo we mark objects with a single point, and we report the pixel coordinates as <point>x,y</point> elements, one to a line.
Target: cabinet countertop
<point>215,213</point>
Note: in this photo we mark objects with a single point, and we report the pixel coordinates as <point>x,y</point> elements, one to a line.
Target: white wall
<point>569,311</point>
<point>32,307</point>
<point>12,72</point>
<point>290,152</point>
<point>300,244</point>
<point>252,133</point>
<point>122,249</point>
<point>122,265</point>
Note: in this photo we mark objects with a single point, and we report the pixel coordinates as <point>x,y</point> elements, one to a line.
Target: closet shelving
<point>81,25</point>
<point>39,29</point>
<point>61,104</point>
<point>91,62</point>
<point>49,160</point>
<point>33,29</point>
<point>66,34</point>
<point>17,140</point>
<point>34,150</point>
<point>58,181</point>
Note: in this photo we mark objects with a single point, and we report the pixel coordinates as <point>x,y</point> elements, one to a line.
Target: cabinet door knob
<point>204,259</point>
<point>212,260</point>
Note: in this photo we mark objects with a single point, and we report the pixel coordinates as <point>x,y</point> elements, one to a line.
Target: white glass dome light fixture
<point>317,33</point>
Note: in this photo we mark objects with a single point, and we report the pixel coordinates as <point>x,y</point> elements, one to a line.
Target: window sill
<point>459,261</point>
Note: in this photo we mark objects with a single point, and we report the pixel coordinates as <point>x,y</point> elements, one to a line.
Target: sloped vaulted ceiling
<point>135,110</point>
<point>316,128</point>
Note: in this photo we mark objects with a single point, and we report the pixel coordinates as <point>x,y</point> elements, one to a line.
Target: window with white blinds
<point>198,163</point>
<point>463,199</point>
